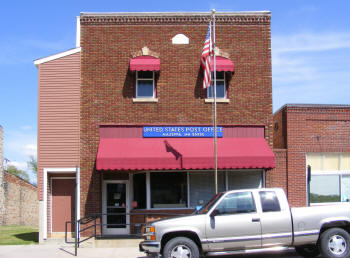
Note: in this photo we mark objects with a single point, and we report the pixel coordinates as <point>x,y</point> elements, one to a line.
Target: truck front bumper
<point>149,247</point>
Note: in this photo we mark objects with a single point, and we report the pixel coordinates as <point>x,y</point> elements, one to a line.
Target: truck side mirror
<point>214,213</point>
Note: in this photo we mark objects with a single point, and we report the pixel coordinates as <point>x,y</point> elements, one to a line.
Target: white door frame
<point>115,231</point>
<point>46,172</point>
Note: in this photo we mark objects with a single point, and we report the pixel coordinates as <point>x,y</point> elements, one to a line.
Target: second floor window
<point>145,84</point>
<point>220,86</point>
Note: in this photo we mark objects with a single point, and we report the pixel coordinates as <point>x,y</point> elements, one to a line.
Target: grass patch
<point>18,235</point>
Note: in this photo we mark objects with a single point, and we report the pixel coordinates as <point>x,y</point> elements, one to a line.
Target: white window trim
<point>221,100</point>
<point>46,171</point>
<point>154,100</point>
<point>137,80</point>
<point>218,98</point>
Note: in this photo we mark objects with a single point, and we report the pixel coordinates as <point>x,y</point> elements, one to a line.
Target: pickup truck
<point>251,221</point>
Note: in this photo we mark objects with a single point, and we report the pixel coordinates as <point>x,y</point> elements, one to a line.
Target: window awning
<point>224,64</point>
<point>182,153</point>
<point>145,63</point>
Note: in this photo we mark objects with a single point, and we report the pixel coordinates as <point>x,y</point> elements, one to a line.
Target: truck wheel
<point>307,250</point>
<point>334,242</point>
<point>180,247</point>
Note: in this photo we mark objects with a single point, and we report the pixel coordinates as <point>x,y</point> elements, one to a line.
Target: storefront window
<point>187,189</point>
<point>169,190</point>
<point>324,189</point>
<point>330,174</point>
<point>345,188</point>
<point>139,191</point>
<point>244,179</point>
<point>202,187</point>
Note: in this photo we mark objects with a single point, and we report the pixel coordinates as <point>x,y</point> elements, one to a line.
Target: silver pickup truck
<point>251,221</point>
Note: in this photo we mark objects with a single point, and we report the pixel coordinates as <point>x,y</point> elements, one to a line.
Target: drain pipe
<point>76,226</point>
<point>308,184</point>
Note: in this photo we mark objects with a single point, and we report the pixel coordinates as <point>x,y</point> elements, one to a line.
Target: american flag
<point>206,58</point>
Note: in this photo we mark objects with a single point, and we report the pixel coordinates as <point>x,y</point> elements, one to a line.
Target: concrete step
<point>61,242</point>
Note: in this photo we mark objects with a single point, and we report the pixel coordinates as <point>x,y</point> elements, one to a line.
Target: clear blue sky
<point>310,52</point>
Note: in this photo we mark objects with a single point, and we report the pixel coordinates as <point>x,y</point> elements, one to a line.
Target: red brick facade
<point>308,128</point>
<point>107,85</point>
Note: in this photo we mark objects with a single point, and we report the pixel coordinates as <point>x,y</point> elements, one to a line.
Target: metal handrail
<point>94,217</point>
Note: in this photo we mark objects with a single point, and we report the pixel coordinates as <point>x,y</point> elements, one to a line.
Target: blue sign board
<point>181,131</point>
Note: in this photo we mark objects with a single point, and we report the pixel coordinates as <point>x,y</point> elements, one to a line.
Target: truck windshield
<point>209,204</point>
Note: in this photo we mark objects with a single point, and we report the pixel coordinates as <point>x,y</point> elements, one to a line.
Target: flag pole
<point>215,126</point>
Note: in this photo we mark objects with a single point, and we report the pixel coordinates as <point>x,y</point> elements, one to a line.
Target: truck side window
<point>235,203</point>
<point>269,201</point>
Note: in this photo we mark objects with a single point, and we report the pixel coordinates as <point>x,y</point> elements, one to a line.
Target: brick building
<point>18,202</point>
<point>319,136</point>
<point>125,118</point>
<point>2,197</point>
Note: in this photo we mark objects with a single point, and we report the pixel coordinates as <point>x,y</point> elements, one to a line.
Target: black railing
<point>91,221</point>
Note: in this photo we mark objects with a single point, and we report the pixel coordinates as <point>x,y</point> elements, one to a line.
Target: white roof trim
<point>56,56</point>
<point>171,13</point>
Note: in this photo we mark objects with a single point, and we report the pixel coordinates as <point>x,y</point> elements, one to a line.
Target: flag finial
<point>213,11</point>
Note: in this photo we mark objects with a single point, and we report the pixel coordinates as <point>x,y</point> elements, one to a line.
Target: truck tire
<point>307,250</point>
<point>334,242</point>
<point>180,247</point>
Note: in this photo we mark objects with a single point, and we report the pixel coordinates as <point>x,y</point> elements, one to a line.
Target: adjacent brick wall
<point>21,205</point>
<point>277,177</point>
<point>280,130</point>
<point>107,85</point>
<point>311,128</point>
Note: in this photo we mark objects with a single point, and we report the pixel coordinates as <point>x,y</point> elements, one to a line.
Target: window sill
<point>217,100</point>
<point>145,100</point>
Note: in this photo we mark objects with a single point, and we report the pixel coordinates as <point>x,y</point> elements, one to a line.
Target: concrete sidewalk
<point>57,251</point>
<point>62,251</point>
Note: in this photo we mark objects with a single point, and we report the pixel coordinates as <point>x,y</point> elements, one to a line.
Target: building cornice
<point>263,17</point>
<point>311,106</point>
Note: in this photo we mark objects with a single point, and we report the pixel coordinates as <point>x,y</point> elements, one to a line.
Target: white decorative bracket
<point>180,39</point>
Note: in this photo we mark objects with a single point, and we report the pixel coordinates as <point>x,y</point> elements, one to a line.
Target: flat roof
<point>295,105</point>
<point>173,13</point>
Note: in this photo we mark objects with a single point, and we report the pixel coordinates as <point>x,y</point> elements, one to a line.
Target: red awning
<point>224,64</point>
<point>145,63</point>
<point>182,153</point>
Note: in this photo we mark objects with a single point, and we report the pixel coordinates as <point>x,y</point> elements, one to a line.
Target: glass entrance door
<point>115,208</point>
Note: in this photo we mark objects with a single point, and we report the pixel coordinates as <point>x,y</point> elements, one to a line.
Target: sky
<point>310,52</point>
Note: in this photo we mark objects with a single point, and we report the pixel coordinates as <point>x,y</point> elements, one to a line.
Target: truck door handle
<point>255,219</point>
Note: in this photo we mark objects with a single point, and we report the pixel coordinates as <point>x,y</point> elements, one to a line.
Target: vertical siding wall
<point>59,112</point>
